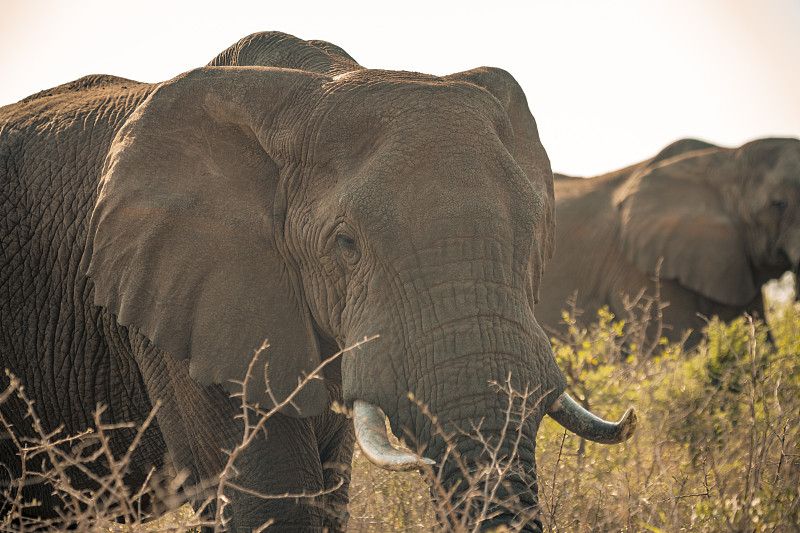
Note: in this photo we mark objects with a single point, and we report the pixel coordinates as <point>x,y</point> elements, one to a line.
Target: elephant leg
<point>200,425</point>
<point>283,462</point>
<point>335,438</point>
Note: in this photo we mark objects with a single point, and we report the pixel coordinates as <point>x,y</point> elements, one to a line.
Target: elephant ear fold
<point>527,150</point>
<point>181,243</point>
<point>671,211</point>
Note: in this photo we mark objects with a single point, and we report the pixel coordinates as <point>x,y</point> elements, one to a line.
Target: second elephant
<point>724,221</point>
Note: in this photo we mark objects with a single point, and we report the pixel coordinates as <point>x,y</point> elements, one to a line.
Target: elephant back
<point>281,50</point>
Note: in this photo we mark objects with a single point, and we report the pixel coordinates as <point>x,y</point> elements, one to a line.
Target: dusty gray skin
<point>725,221</point>
<point>154,235</point>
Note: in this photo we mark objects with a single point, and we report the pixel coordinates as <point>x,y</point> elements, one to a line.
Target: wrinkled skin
<point>725,221</point>
<point>154,235</point>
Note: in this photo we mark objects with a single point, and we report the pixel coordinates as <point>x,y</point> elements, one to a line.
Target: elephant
<point>722,221</point>
<point>154,235</point>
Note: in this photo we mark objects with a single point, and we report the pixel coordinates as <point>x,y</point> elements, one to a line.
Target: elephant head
<point>245,202</point>
<point>723,220</point>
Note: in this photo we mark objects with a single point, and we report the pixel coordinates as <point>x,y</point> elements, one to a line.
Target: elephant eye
<point>347,247</point>
<point>780,205</point>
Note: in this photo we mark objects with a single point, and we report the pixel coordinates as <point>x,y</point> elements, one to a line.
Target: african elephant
<point>724,220</point>
<point>155,234</point>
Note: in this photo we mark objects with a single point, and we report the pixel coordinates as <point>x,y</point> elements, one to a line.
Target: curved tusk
<point>371,435</point>
<point>578,420</point>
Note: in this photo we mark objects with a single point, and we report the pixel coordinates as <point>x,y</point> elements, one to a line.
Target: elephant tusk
<point>578,420</point>
<point>371,435</point>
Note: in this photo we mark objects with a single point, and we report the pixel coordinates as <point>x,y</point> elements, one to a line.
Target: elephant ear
<point>673,211</point>
<point>527,151</point>
<point>182,241</point>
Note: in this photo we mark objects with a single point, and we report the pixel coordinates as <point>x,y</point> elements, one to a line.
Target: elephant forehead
<point>405,88</point>
<point>412,162</point>
<point>768,157</point>
<point>787,169</point>
<point>359,112</point>
<point>775,175</point>
<point>413,200</point>
<point>412,150</point>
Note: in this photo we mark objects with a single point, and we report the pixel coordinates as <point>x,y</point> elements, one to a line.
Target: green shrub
<point>717,448</point>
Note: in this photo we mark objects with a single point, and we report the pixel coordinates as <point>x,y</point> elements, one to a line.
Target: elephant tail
<point>578,420</point>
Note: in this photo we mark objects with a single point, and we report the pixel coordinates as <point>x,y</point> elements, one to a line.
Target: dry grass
<point>59,460</point>
<point>717,448</point>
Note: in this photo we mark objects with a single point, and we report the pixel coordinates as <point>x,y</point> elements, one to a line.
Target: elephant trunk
<point>502,499</point>
<point>463,409</point>
<point>464,374</point>
<point>487,476</point>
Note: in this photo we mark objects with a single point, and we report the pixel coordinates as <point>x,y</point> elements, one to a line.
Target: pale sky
<point>610,82</point>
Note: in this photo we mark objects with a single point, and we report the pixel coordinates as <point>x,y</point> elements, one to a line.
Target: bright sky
<point>610,82</point>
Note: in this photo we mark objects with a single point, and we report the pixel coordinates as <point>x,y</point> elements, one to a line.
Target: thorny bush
<point>717,448</point>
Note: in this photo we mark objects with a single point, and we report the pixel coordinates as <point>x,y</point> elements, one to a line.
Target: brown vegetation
<point>717,448</point>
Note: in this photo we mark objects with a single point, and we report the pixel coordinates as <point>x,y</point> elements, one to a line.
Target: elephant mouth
<point>371,435</point>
